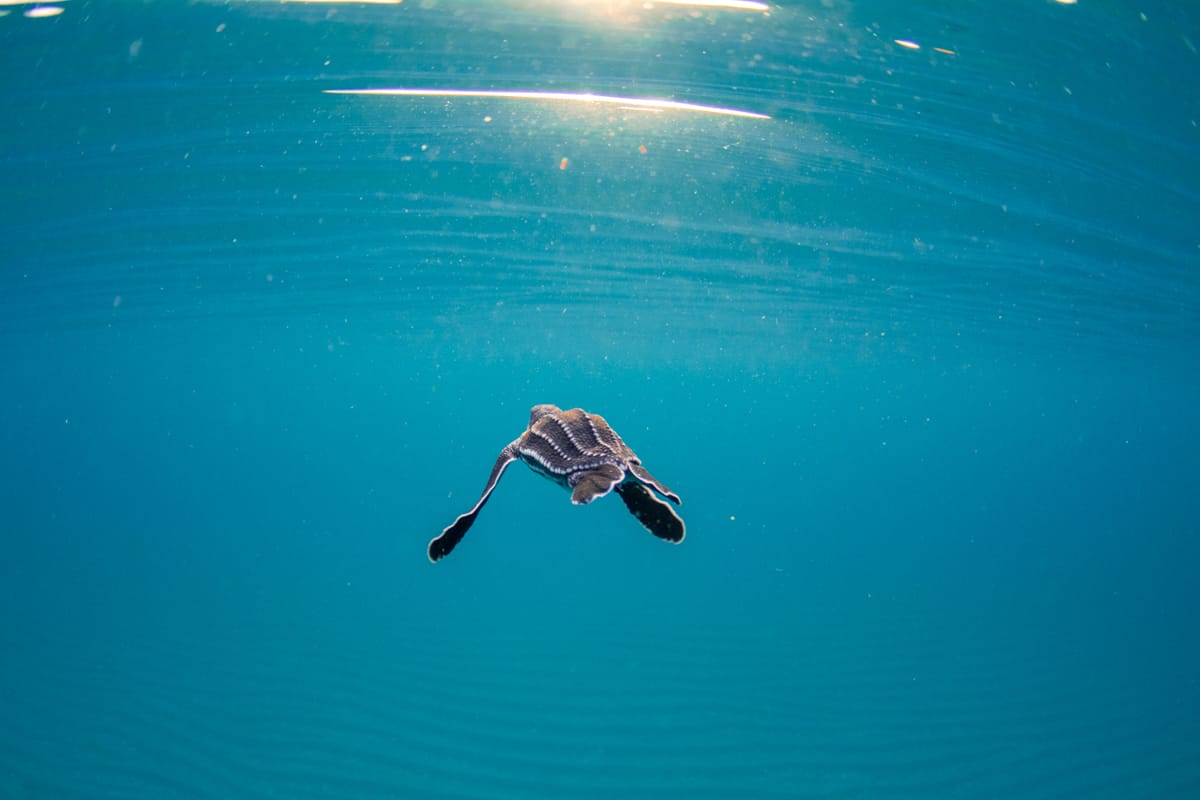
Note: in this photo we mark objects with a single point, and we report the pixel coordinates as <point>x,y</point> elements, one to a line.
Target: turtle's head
<point>537,412</point>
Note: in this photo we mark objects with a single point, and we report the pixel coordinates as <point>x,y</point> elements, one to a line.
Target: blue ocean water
<point>915,340</point>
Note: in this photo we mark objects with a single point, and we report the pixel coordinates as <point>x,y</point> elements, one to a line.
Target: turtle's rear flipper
<point>441,545</point>
<point>655,515</point>
<point>594,483</point>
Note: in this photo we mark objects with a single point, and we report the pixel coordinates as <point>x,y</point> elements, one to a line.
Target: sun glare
<point>639,103</point>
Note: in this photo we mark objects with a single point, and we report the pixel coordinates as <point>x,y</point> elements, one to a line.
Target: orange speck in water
<point>642,149</point>
<point>562,164</point>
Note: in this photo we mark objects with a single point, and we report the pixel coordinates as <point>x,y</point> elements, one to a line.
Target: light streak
<point>640,103</point>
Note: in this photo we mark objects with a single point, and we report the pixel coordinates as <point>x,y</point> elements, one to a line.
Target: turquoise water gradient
<point>918,351</point>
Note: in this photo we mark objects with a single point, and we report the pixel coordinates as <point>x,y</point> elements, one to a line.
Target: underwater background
<point>915,336</point>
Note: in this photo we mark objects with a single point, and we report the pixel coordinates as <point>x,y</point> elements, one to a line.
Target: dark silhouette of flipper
<point>655,515</point>
<point>443,543</point>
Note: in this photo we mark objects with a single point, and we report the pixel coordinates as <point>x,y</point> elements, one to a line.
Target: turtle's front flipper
<point>443,543</point>
<point>645,477</point>
<point>655,515</point>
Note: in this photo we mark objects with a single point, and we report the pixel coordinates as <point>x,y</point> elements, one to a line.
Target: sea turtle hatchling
<point>582,453</point>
